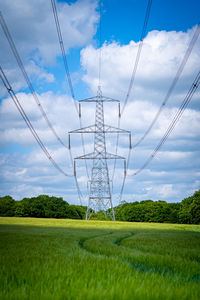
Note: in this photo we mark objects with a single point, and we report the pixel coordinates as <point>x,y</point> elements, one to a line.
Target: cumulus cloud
<point>35,20</point>
<point>60,111</point>
<point>161,56</point>
<point>32,26</point>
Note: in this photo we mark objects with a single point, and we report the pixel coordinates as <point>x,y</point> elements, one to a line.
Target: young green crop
<point>69,259</point>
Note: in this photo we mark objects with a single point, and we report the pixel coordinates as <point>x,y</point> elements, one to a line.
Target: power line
<point>138,54</point>
<point>21,66</point>
<point>124,178</point>
<point>80,196</point>
<point>174,121</point>
<point>63,52</point>
<point>144,28</point>
<point>179,71</point>
<point>172,125</point>
<point>173,84</point>
<point>28,122</point>
<point>100,37</point>
<point>60,39</point>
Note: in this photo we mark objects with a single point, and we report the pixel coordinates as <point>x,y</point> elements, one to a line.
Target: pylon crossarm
<point>94,129</point>
<point>111,129</point>
<point>94,155</point>
<point>98,197</point>
<point>88,129</point>
<point>95,99</point>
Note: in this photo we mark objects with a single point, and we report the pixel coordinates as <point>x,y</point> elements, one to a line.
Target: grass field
<point>69,259</point>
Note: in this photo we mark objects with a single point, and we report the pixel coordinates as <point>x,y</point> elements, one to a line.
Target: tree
<point>81,210</point>
<point>72,213</point>
<point>190,209</point>
<point>173,211</point>
<point>20,209</point>
<point>195,208</point>
<point>7,206</point>
<point>54,207</point>
<point>148,211</point>
<point>184,213</point>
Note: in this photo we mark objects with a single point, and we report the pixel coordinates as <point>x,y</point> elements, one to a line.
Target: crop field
<point>70,259</point>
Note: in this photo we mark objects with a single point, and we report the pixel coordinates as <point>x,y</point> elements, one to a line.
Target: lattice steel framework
<point>100,198</point>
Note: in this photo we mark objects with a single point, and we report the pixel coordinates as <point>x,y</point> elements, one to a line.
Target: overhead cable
<point>80,195</point>
<point>173,84</point>
<point>178,73</point>
<point>138,55</point>
<point>63,51</point>
<point>28,122</point>
<point>144,28</point>
<point>172,125</point>
<point>175,120</point>
<point>60,39</point>
<point>100,38</point>
<point>21,66</point>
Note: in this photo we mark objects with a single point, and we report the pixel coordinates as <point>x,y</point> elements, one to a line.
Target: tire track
<point>136,266</point>
<point>83,240</point>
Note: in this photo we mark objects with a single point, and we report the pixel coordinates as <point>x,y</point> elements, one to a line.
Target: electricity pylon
<point>100,198</point>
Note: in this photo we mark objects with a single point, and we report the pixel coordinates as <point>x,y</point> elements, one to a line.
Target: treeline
<point>42,206</point>
<point>185,212</point>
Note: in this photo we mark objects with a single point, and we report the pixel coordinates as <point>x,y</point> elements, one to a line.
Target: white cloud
<point>161,56</point>
<point>39,73</point>
<point>60,112</point>
<point>33,29</point>
<point>26,190</point>
<point>166,191</point>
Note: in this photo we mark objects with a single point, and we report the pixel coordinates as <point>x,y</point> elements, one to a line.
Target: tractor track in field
<point>136,266</point>
<point>117,242</point>
<point>83,240</point>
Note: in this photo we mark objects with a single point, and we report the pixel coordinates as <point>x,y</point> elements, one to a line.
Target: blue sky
<point>174,174</point>
<point>123,21</point>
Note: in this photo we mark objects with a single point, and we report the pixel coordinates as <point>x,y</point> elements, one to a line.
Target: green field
<point>69,259</point>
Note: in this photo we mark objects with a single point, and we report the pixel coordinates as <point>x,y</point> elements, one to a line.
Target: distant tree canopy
<point>148,211</point>
<point>43,206</point>
<point>7,206</point>
<point>186,212</point>
<point>189,212</point>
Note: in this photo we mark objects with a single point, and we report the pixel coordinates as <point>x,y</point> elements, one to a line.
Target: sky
<point>174,173</point>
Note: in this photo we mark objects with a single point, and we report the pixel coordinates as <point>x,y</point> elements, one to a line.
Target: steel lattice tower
<point>100,198</point>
